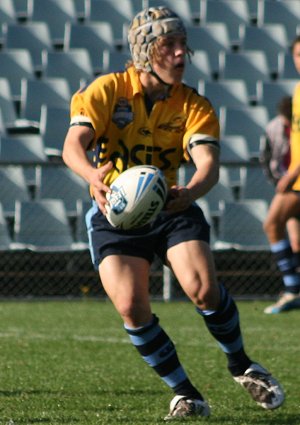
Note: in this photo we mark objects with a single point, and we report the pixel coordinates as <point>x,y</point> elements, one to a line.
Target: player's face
<point>168,59</point>
<point>296,56</point>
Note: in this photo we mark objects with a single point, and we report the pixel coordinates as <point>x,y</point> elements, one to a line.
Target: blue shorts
<point>145,242</point>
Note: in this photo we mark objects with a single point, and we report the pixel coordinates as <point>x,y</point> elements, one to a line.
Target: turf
<point>70,362</point>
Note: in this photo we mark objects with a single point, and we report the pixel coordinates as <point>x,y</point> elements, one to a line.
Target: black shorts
<point>157,237</point>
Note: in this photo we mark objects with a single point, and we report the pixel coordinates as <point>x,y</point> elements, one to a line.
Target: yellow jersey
<point>126,134</point>
<point>295,134</point>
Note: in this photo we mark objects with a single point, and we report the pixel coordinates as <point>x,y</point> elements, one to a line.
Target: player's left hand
<point>179,199</point>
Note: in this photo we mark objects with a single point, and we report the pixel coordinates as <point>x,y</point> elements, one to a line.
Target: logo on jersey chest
<point>122,114</point>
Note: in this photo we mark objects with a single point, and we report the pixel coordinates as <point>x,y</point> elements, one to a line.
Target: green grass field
<point>71,362</point>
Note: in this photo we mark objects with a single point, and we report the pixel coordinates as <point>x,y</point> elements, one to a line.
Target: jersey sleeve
<point>202,126</point>
<point>90,107</point>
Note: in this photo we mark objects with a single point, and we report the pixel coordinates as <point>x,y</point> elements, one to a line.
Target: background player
<point>286,205</point>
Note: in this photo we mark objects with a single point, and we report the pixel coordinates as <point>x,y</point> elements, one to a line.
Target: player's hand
<point>285,184</point>
<point>179,199</point>
<point>98,187</point>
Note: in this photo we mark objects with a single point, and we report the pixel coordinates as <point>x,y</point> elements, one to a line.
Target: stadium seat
<point>33,36</point>
<point>271,39</point>
<point>60,182</point>
<point>21,9</point>
<point>74,65</point>
<point>12,123</point>
<point>233,93</point>
<point>199,69</point>
<point>113,61</point>
<point>93,36</point>
<point>249,122</point>
<point>12,186</point>
<point>16,64</point>
<point>54,124</point>
<point>255,185</point>
<point>55,13</point>
<point>234,150</point>
<point>5,238</point>
<point>42,226</point>
<point>8,12</point>
<point>188,10</point>
<point>233,13</point>
<point>118,14</point>
<point>286,13</point>
<point>270,93</point>
<point>47,91</point>
<point>241,225</point>
<point>22,149</point>
<point>212,38</point>
<point>286,66</point>
<point>251,66</point>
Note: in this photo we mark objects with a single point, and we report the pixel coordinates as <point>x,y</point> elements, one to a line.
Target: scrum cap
<point>146,27</point>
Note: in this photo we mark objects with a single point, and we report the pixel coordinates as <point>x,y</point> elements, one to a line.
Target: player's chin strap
<point>168,86</point>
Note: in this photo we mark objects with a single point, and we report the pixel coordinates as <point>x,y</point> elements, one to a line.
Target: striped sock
<point>224,326</point>
<point>159,352</point>
<point>287,263</point>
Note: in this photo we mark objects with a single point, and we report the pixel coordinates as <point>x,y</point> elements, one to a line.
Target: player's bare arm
<point>206,160</point>
<point>75,156</point>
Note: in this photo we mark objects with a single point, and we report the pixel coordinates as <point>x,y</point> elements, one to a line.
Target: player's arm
<point>77,142</point>
<point>287,181</point>
<point>206,160</point>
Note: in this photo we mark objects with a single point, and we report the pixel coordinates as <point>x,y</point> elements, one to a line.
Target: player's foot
<point>261,385</point>
<point>287,301</point>
<point>183,407</point>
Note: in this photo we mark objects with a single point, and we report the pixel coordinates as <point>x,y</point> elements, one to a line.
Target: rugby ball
<point>137,196</point>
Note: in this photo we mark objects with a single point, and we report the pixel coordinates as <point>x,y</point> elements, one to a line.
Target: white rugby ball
<point>138,195</point>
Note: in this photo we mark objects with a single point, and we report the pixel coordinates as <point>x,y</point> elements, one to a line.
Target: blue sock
<point>287,263</point>
<point>224,326</point>
<point>159,352</point>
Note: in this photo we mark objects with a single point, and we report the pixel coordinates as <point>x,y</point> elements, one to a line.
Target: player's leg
<point>280,216</point>
<point>193,265</point>
<point>125,280</point>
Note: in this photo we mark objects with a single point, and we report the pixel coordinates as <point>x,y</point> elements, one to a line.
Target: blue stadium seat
<point>12,186</point>
<point>241,225</point>
<point>270,38</point>
<point>33,36</point>
<point>93,36</point>
<point>5,238</point>
<point>54,124</point>
<point>54,13</point>
<point>249,122</point>
<point>60,182</point>
<point>47,91</point>
<point>74,65</point>
<point>233,13</point>
<point>213,38</point>
<point>16,64</point>
<point>42,226</point>
<point>286,13</point>
<point>271,92</point>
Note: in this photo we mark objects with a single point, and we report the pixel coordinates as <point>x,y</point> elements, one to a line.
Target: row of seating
<point>44,225</point>
<point>28,182</point>
<point>97,36</point>
<point>231,12</point>
<point>76,67</point>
